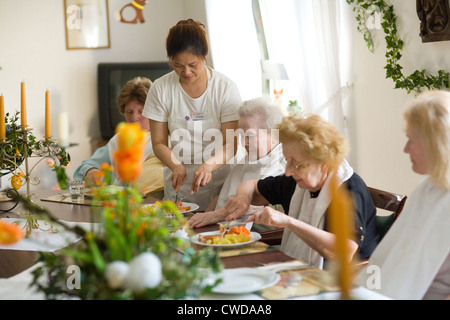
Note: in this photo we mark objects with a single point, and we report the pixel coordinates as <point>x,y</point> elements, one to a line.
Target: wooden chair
<point>387,201</point>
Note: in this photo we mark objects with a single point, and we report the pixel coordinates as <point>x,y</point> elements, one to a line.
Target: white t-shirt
<point>168,102</point>
<point>225,98</point>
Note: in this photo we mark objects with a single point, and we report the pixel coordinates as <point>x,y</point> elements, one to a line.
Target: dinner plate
<point>254,236</point>
<point>245,280</point>
<point>193,206</point>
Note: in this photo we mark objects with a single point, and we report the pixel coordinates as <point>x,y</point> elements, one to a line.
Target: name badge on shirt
<point>198,116</point>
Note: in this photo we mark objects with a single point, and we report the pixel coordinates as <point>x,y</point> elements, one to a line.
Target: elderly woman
<point>131,104</point>
<point>413,259</point>
<point>258,119</point>
<point>311,146</point>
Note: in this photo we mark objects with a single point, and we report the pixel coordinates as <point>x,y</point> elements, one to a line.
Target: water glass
<point>76,188</point>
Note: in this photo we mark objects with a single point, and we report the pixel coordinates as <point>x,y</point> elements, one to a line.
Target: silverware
<point>181,199</point>
<point>228,225</point>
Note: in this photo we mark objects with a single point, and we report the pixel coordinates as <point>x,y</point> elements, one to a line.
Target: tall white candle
<point>63,129</point>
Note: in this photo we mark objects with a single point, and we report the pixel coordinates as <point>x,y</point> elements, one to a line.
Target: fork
<point>227,226</point>
<point>181,199</point>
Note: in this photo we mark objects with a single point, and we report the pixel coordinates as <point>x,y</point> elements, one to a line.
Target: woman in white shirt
<point>413,259</point>
<point>190,110</point>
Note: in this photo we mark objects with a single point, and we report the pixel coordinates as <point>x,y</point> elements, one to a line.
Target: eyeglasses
<point>296,166</point>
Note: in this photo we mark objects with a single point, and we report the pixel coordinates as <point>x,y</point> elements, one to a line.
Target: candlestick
<point>63,129</point>
<point>48,126</point>
<point>2,118</point>
<point>341,209</point>
<point>23,107</point>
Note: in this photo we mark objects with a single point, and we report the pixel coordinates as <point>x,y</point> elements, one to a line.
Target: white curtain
<point>308,36</point>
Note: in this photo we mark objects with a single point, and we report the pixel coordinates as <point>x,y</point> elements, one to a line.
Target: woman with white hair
<point>413,260</point>
<point>258,119</point>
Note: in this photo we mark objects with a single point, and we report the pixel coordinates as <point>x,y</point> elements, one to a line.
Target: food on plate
<point>236,230</point>
<point>179,205</point>
<point>234,235</point>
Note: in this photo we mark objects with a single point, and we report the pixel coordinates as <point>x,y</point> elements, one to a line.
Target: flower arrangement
<point>14,150</point>
<point>136,252</point>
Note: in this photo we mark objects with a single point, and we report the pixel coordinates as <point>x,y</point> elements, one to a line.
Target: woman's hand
<point>202,176</point>
<point>270,217</point>
<point>201,219</point>
<point>178,177</point>
<point>93,177</point>
<point>237,207</point>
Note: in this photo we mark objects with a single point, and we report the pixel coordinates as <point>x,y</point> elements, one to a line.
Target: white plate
<point>193,206</point>
<point>254,236</point>
<point>245,280</point>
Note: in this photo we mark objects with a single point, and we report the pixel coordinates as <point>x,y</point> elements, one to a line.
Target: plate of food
<point>245,280</point>
<point>232,239</point>
<point>183,207</point>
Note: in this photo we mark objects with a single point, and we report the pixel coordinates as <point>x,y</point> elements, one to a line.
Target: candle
<point>23,107</point>
<point>2,118</point>
<point>340,214</point>
<point>63,129</point>
<point>48,125</point>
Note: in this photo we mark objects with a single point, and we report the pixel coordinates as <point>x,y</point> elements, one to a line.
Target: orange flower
<point>9,233</point>
<point>130,154</point>
<point>106,167</point>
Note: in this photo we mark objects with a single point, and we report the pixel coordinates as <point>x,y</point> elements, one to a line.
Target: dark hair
<point>187,35</point>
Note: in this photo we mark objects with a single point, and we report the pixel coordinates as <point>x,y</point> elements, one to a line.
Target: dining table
<point>16,264</point>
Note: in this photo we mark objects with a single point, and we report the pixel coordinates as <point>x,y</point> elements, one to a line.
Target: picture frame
<point>86,24</point>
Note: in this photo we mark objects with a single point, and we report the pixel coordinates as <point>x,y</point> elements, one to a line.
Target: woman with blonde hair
<point>130,102</point>
<point>314,150</point>
<point>413,259</point>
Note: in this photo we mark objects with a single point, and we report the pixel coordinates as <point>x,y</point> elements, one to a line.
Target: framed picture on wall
<point>86,24</point>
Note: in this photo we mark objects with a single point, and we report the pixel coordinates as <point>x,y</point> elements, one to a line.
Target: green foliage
<point>128,229</point>
<point>419,79</point>
<point>15,147</point>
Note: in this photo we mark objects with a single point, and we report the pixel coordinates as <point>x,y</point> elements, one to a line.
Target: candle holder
<point>16,151</point>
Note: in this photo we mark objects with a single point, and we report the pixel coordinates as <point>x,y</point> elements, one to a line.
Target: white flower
<point>116,273</point>
<point>145,271</point>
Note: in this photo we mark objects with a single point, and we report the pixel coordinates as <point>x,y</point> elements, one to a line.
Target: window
<point>307,37</point>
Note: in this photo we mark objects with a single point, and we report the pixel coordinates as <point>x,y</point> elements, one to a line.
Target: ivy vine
<point>419,79</point>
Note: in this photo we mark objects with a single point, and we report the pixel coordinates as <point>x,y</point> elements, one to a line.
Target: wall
<point>32,48</point>
<point>375,120</point>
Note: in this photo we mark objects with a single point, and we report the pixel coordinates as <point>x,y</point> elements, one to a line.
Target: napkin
<point>282,266</point>
<point>49,239</point>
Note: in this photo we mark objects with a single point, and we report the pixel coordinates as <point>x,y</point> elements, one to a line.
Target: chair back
<point>387,201</point>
